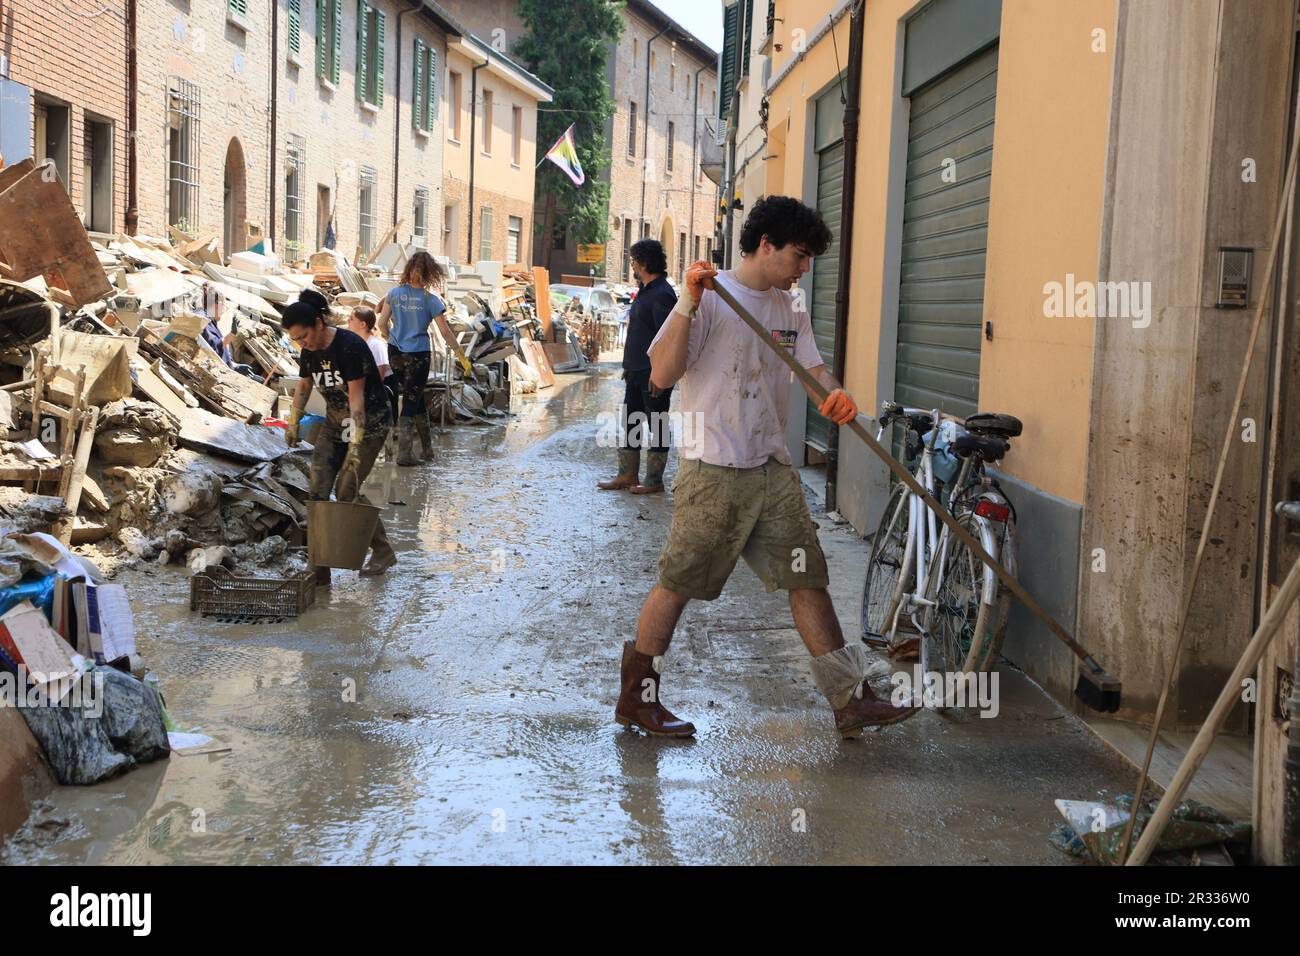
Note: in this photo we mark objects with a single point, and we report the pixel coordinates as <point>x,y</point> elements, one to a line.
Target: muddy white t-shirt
<point>735,394</point>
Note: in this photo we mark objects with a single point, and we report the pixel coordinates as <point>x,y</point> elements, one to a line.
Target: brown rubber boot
<point>655,463</point>
<point>638,703</point>
<point>426,441</point>
<point>869,711</point>
<point>629,465</point>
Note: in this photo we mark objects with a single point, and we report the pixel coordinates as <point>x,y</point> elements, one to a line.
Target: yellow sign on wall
<point>591,253</point>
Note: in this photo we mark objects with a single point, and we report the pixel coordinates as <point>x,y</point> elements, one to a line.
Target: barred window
<point>182,154</point>
<point>366,219</point>
<point>294,170</point>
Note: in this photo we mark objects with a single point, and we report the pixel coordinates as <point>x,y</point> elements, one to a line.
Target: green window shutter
<point>238,6</point>
<point>379,57</point>
<point>748,14</point>
<point>295,26</point>
<point>322,44</point>
<point>336,52</point>
<point>363,34</point>
<point>432,79</point>
<point>417,93</point>
<point>730,42</point>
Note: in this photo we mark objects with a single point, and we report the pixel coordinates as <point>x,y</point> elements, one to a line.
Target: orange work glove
<point>839,407</point>
<point>699,276</point>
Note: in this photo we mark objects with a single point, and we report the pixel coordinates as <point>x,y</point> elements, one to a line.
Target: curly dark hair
<point>784,219</point>
<point>650,253</point>
<point>423,272</point>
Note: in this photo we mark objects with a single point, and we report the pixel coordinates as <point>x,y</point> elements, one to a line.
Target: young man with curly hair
<point>736,493</point>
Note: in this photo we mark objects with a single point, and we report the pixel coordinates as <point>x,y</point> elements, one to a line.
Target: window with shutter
<point>730,42</point>
<point>748,13</point>
<point>485,233</point>
<point>295,27</point>
<point>418,112</point>
<point>431,78</point>
<point>378,68</point>
<point>336,52</point>
<point>237,7</point>
<point>322,33</point>
<point>363,37</point>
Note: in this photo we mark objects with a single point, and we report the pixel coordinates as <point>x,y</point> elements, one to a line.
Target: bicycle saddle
<point>994,423</point>
<point>986,447</point>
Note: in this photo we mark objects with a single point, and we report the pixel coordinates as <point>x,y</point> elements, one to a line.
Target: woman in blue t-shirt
<point>404,319</point>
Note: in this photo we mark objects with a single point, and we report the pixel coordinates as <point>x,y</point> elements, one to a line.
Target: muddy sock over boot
<point>838,675</point>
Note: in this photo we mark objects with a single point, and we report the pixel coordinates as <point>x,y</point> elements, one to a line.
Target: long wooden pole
<point>1228,698</point>
<point>1229,441</point>
<point>1100,678</point>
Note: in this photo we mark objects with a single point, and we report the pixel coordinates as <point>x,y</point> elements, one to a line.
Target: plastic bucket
<point>339,533</point>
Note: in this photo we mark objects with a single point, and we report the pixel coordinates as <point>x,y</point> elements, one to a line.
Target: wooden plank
<point>389,236</point>
<point>40,235</point>
<point>156,390</point>
<point>542,296</point>
<point>63,528</point>
<point>204,431</point>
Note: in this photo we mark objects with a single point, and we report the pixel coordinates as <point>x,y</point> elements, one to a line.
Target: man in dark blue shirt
<point>645,408</point>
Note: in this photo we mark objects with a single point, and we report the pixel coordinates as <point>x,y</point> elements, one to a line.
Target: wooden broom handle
<point>964,536</point>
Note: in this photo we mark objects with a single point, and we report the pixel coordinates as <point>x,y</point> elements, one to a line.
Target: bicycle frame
<point>926,545</point>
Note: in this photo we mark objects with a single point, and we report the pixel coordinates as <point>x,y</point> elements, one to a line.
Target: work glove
<point>839,407</point>
<point>291,437</point>
<point>349,482</point>
<point>699,276</point>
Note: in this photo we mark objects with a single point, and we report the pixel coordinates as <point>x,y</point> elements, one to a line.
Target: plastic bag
<point>133,716</point>
<point>75,741</point>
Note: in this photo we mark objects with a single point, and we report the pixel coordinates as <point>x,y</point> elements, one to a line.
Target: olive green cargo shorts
<point>721,514</point>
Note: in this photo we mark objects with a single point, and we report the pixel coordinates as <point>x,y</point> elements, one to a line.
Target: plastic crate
<point>217,591</point>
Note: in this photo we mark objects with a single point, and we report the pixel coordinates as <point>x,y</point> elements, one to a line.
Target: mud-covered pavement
<point>460,709</point>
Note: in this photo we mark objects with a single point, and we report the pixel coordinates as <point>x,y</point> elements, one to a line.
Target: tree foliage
<point>568,45</point>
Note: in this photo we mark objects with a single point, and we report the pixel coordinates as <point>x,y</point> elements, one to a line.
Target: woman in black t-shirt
<point>357,419</point>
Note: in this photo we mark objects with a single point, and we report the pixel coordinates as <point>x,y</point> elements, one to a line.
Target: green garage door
<point>825,274</point>
<point>945,235</point>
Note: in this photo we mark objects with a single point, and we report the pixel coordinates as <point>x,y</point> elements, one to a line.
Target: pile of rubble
<point>140,421</point>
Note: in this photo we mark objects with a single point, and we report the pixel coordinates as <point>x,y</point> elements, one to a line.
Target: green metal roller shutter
<point>945,236</point>
<point>825,277</point>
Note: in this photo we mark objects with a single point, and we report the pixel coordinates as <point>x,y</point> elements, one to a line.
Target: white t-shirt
<point>379,349</point>
<point>735,394</point>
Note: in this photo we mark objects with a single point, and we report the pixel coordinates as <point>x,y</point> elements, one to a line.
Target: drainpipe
<point>851,108</point>
<point>645,136</point>
<point>132,207</point>
<point>695,148</point>
<point>397,116</point>
<point>271,232</point>
<point>473,150</point>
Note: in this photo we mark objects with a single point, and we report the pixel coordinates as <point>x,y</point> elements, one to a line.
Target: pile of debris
<point>144,382</point>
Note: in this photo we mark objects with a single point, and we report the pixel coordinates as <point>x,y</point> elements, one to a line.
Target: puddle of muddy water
<point>459,708</point>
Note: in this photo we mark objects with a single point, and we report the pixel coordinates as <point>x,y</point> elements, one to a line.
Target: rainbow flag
<point>565,155</point>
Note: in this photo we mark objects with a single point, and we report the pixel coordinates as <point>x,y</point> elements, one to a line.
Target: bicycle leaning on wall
<point>927,597</point>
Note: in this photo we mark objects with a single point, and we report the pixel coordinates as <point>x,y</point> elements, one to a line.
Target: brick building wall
<point>503,167</point>
<point>341,135</point>
<point>46,48</point>
<point>228,67</point>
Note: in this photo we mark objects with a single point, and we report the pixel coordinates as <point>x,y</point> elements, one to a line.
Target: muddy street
<point>460,708</point>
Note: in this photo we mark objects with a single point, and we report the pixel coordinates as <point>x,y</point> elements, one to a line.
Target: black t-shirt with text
<point>346,359</point>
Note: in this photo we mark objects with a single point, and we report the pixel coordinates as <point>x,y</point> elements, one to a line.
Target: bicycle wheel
<point>884,570</point>
<point>965,603</point>
<point>986,656</point>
